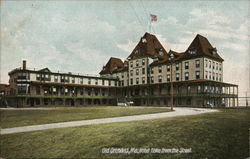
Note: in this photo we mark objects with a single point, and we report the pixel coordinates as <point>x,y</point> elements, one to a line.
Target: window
<point>152,79</point>
<point>205,63</point>
<point>186,65</point>
<point>143,61</point>
<point>161,52</point>
<point>214,51</point>
<point>81,80</point>
<point>216,76</point>
<point>197,73</point>
<point>216,66</point>
<point>220,77</point>
<point>89,81</point>
<point>131,64</point>
<point>177,67</point>
<point>152,71</point>
<point>168,68</point>
<point>197,63</point>
<point>159,79</point>
<point>122,83</point>
<point>42,77</point>
<point>213,76</point>
<point>73,80</point>
<point>56,78</point>
<point>136,52</point>
<point>209,64</point>
<point>103,82</point>
<point>137,80</point>
<point>186,76</point>
<point>220,67</point>
<point>109,83</point>
<point>209,75</point>
<point>143,80</point>
<point>188,89</point>
<point>177,76</point>
<point>96,82</point>
<point>66,90</point>
<point>131,81</point>
<point>192,51</point>
<point>137,71</point>
<point>159,69</point>
<point>206,75</point>
<point>66,78</point>
<point>137,63</point>
<point>38,77</point>
<point>199,89</point>
<point>213,65</point>
<point>122,75</point>
<point>22,88</point>
<point>143,71</point>
<point>168,78</point>
<point>131,73</point>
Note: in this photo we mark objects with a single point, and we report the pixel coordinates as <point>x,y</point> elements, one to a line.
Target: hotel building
<point>144,77</point>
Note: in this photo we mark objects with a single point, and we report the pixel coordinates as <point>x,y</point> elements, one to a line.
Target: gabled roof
<point>202,47</point>
<point>166,60</point>
<point>148,46</point>
<point>113,65</point>
<point>44,70</point>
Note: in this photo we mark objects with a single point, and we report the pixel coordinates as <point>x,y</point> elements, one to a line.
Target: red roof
<point>149,46</point>
<point>202,47</point>
<point>113,65</point>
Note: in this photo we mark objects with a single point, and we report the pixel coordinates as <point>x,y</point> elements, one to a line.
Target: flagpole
<point>150,23</point>
<point>150,26</point>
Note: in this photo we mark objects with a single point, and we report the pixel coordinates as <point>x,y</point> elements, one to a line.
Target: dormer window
<point>136,52</point>
<point>116,67</point>
<point>214,51</point>
<point>144,40</point>
<point>161,52</point>
<point>103,68</point>
<point>192,51</point>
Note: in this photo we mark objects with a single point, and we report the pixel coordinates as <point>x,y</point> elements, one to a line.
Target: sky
<point>80,36</point>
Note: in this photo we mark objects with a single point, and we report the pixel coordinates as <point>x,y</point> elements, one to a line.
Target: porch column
<point>237,96</point>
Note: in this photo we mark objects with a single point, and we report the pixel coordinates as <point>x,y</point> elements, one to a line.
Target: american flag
<point>153,18</point>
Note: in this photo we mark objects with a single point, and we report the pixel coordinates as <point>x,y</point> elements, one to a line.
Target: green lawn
<point>214,135</point>
<point>14,118</point>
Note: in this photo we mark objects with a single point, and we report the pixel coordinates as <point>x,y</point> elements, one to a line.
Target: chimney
<point>24,64</point>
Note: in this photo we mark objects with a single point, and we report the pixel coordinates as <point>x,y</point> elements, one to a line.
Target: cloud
<point>128,47</point>
<point>235,46</point>
<point>210,17</point>
<point>69,36</point>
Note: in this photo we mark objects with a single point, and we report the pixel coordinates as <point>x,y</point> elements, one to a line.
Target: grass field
<point>214,135</point>
<point>14,118</point>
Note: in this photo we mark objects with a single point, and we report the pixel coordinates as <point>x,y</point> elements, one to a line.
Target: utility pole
<point>171,81</point>
<point>246,100</point>
<point>172,89</point>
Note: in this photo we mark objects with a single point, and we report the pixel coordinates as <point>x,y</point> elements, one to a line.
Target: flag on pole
<point>153,17</point>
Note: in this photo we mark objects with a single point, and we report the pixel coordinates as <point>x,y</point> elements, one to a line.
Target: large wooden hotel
<point>144,77</point>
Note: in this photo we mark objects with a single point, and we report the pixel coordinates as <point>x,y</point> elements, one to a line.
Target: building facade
<point>196,74</point>
<point>43,87</point>
<point>144,77</point>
